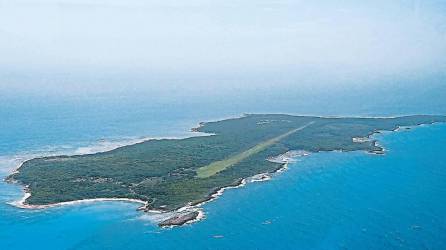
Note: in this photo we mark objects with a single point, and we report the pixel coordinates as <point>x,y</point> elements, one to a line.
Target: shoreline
<point>22,202</point>
<point>191,207</point>
<point>213,196</point>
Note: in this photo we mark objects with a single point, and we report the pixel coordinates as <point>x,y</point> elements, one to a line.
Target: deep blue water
<point>324,201</point>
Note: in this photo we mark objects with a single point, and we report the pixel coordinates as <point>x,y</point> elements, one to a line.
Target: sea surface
<point>329,200</point>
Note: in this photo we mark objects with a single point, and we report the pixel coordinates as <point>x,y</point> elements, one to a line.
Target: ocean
<point>330,200</point>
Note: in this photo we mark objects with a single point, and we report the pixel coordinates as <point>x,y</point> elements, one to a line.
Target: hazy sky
<point>288,55</point>
<point>221,35</point>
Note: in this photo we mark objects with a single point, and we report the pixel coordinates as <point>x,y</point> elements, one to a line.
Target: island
<point>175,176</point>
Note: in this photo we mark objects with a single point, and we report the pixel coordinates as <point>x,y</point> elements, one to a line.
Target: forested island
<point>169,174</point>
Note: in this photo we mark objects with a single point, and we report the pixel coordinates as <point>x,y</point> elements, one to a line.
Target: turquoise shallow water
<point>327,200</point>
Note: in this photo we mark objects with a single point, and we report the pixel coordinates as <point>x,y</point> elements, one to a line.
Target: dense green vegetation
<point>171,173</point>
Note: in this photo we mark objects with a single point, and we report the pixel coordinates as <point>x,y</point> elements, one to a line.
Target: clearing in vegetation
<point>218,166</point>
